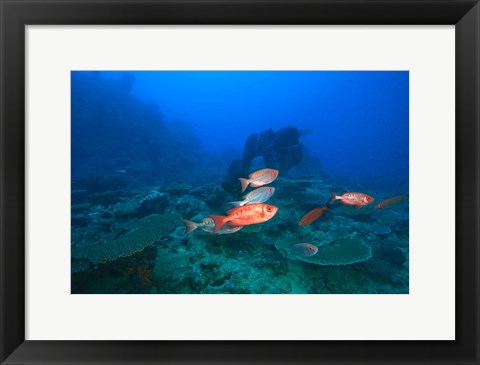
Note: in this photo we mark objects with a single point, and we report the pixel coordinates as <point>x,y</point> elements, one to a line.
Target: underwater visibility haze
<point>242,182</point>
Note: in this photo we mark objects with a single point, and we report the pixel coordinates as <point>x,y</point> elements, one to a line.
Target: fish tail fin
<point>219,221</point>
<point>190,226</point>
<point>244,183</point>
<point>237,204</point>
<point>334,196</point>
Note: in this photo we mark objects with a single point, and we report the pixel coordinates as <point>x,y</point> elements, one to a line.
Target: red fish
<point>245,215</point>
<point>259,178</point>
<point>312,216</point>
<point>391,201</point>
<point>357,199</point>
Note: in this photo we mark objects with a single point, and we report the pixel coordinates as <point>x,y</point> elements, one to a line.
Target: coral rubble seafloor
<point>136,243</point>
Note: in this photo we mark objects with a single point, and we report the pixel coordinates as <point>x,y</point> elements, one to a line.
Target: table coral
<point>340,252</point>
<point>140,233</point>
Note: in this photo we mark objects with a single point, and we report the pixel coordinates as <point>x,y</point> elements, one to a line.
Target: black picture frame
<point>15,15</point>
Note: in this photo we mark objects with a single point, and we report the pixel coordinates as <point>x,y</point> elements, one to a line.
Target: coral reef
<point>130,274</point>
<point>120,137</point>
<point>380,229</point>
<point>140,243</point>
<point>341,252</point>
<point>280,150</point>
<point>136,236</point>
<point>98,184</point>
<point>286,150</point>
<point>154,203</point>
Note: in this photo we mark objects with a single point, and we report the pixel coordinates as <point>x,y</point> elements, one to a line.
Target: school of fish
<point>252,210</point>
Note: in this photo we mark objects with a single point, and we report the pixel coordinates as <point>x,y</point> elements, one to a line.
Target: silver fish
<point>303,249</point>
<point>208,225</point>
<point>226,229</point>
<point>259,195</point>
<point>192,226</point>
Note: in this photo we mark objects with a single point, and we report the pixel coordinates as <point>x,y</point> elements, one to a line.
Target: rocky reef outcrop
<point>119,135</point>
<point>281,150</point>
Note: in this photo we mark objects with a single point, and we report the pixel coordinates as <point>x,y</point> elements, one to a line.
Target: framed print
<point>141,198</point>
<point>239,182</point>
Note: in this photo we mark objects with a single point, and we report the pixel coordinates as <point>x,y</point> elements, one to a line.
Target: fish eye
<point>269,209</point>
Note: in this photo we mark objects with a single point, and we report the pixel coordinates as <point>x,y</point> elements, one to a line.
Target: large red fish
<point>312,216</point>
<point>245,215</point>
<point>353,198</point>
<point>259,178</point>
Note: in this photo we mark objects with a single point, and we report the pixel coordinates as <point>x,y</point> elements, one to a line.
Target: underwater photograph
<point>239,182</point>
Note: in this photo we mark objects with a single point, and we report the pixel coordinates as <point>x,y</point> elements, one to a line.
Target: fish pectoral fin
<point>236,204</point>
<point>358,206</point>
<point>219,221</point>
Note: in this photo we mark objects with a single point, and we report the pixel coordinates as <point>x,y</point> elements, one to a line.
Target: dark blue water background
<point>359,120</point>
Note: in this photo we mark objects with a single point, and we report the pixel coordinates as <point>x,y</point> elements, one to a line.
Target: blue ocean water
<point>153,148</point>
